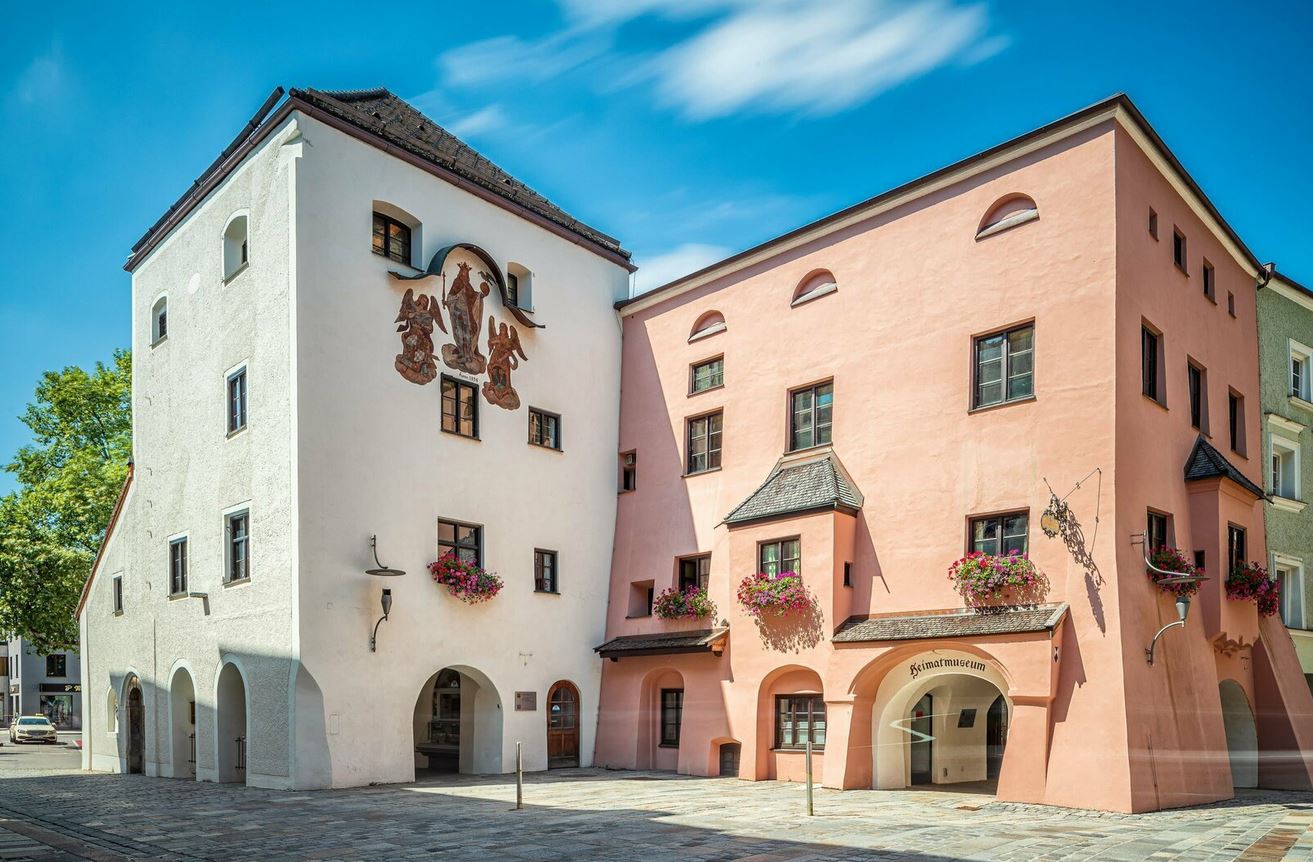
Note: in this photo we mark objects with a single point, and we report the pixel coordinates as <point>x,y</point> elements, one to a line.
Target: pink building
<point>870,397</point>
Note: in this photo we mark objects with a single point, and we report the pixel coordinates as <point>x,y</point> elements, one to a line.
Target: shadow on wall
<point>795,632</point>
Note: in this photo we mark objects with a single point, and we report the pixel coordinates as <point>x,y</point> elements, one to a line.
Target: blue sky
<point>687,128</point>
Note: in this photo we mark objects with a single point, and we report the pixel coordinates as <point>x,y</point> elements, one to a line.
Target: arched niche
<point>1009,211</point>
<point>708,324</point>
<point>439,260</point>
<point>818,283</point>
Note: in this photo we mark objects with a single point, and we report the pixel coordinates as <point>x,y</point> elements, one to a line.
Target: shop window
<point>799,718</point>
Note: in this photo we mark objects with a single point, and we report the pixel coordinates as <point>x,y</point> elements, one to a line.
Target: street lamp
<point>387,609</point>
<point>381,571</point>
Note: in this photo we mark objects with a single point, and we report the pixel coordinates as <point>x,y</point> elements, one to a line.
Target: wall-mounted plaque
<point>526,701</point>
<point>966,718</point>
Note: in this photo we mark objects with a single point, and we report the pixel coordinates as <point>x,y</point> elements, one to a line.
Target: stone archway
<point>231,735</point>
<point>457,724</point>
<point>182,724</point>
<point>135,715</point>
<point>1241,734</point>
<point>660,720</point>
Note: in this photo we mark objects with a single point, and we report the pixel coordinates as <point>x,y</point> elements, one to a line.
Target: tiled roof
<point>383,114</point>
<point>958,623</point>
<point>1205,462</point>
<point>662,643</point>
<point>815,482</point>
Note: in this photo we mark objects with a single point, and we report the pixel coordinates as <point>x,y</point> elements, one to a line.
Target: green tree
<point>69,478</point>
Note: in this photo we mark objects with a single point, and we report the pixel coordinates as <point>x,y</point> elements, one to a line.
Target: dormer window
<point>391,238</point>
<point>1007,213</point>
<point>159,320</point>
<point>236,250</point>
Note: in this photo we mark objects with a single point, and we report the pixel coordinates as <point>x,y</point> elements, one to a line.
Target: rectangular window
<point>544,572</point>
<point>672,715</point>
<point>1230,303</point>
<point>118,594</point>
<point>811,416</point>
<point>704,442</point>
<point>463,540</point>
<point>707,375</point>
<point>779,557</point>
<point>544,429</point>
<point>1235,546</point>
<point>57,665</point>
<point>1210,281</point>
<point>391,238</point>
<point>1285,468</point>
<point>1153,223</point>
<point>1236,421</point>
<point>1290,585</point>
<point>1196,377</point>
<point>1299,371</point>
<point>178,567</point>
<point>161,321</point>
<point>1178,249</point>
<point>798,718</point>
<point>239,547</point>
<point>628,471</point>
<point>237,401</point>
<point>460,407</point>
<point>694,572</point>
<point>1005,366</point>
<point>1001,534</point>
<point>1156,531</point>
<point>512,290</point>
<point>1150,362</point>
<point>847,574</point>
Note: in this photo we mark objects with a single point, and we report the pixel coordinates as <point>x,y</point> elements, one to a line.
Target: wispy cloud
<point>42,79</point>
<point>663,268</point>
<point>482,121</point>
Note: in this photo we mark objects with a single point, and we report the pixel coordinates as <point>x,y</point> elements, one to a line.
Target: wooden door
<point>562,726</point>
<point>136,731</point>
<point>922,740</point>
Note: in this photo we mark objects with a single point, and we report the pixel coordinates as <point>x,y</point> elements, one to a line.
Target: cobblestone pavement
<point>53,815</point>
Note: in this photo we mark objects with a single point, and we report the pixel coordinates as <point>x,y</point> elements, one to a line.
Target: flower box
<point>690,603</point>
<point>1249,581</point>
<point>997,579</point>
<point>465,580</point>
<point>1174,561</point>
<point>763,595</point>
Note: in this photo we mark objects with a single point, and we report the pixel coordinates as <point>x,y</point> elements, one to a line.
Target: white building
<point>226,627</point>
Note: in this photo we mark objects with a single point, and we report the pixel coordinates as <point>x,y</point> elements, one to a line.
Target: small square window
<point>1153,223</point>
<point>544,429</point>
<point>178,567</point>
<point>463,540</point>
<point>391,238</point>
<point>460,407</point>
<point>1005,366</point>
<point>640,599</point>
<point>707,375</point>
<point>545,572</point>
<point>57,665</point>
<point>694,572</point>
<point>237,401</point>
<point>782,556</point>
<point>1000,535</point>
<point>1179,250</point>
<point>799,719</point>
<point>704,434</point>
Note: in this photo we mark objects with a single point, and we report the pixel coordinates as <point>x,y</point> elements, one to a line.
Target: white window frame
<point>1294,567</point>
<point>1286,448</point>
<point>1302,354</point>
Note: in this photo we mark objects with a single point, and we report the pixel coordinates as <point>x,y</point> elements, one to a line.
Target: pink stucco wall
<point>1091,724</point>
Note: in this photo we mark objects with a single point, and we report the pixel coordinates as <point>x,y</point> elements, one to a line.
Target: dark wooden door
<point>136,731</point>
<point>922,740</point>
<point>562,726</point>
<point>996,737</point>
<point>729,759</point>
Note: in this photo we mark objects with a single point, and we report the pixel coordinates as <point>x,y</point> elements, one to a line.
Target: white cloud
<point>796,56</point>
<point>42,79</point>
<point>510,58</point>
<point>664,268</point>
<point>483,121</point>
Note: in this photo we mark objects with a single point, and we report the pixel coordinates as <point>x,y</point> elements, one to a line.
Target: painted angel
<point>416,319</point>
<point>465,307</point>
<point>503,349</point>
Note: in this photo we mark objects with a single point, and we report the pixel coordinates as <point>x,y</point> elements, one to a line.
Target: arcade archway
<point>458,724</point>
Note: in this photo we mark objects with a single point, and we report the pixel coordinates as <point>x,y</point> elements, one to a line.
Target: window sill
<point>392,261</point>
<point>118,613</point>
<point>1210,298</point>
<point>668,745</point>
<point>474,437</point>
<point>1287,504</point>
<point>238,582</point>
<point>814,295</point>
<point>702,472</point>
<point>1181,269</point>
<point>705,391</point>
<point>231,434</point>
<point>545,446</point>
<point>547,592</point>
<point>640,617</point>
<point>157,342</point>
<point>1015,401</point>
<point>1301,403</point>
<point>803,449</point>
<point>236,272</point>
<point>175,596</point>
<point>1153,400</point>
<point>626,491</point>
<point>816,749</point>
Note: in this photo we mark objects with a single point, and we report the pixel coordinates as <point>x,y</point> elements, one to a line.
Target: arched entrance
<point>562,726</point>
<point>458,724</point>
<point>660,720</point>
<point>1241,734</point>
<point>231,726</point>
<point>182,724</point>
<point>940,718</point>
<point>136,717</point>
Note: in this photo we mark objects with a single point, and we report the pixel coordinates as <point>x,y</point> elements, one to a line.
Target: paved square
<point>49,812</point>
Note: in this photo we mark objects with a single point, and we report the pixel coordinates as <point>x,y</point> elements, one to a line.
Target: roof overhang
<point>952,624</point>
<point>666,643</point>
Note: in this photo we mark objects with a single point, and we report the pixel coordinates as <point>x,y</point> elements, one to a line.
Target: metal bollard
<point>809,777</point>
<point>519,776</point>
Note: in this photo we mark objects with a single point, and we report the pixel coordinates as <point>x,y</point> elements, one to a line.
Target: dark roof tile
<point>1205,462</point>
<point>815,482</point>
<point>957,623</point>
<point>662,643</point>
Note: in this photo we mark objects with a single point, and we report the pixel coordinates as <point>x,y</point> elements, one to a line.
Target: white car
<point>32,728</point>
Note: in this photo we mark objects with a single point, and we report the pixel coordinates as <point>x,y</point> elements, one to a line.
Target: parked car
<point>32,728</point>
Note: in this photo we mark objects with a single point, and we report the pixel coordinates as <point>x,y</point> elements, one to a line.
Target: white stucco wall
<point>188,472</point>
<point>374,460</point>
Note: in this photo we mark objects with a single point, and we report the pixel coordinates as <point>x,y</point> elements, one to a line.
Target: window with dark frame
<point>1235,546</point>
<point>707,375</point>
<point>460,407</point>
<point>1150,350</point>
<point>512,290</point>
<point>780,556</point>
<point>628,471</point>
<point>1000,535</point>
<point>1005,366</point>
<point>1236,421</point>
<point>1178,249</point>
<point>178,567</point>
<point>847,574</point>
<point>237,401</point>
<point>544,429</point>
<point>811,416</point>
<point>57,665</point>
<point>704,434</point>
<point>463,540</point>
<point>544,572</point>
<point>799,718</point>
<point>118,594</point>
<point>239,547</point>
<point>1230,303</point>
<point>161,321</point>
<point>1156,531</point>
<point>1200,558</point>
<point>391,238</point>
<point>1210,280</point>
<point>1195,377</point>
<point>672,715</point>
<point>1153,223</point>
<point>694,572</point>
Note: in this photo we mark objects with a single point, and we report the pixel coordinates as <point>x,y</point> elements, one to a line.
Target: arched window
<point>236,251</point>
<point>1006,213</point>
<point>817,284</point>
<point>111,711</point>
<point>159,320</point>
<point>519,286</point>
<point>396,234</point>
<point>708,324</point>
